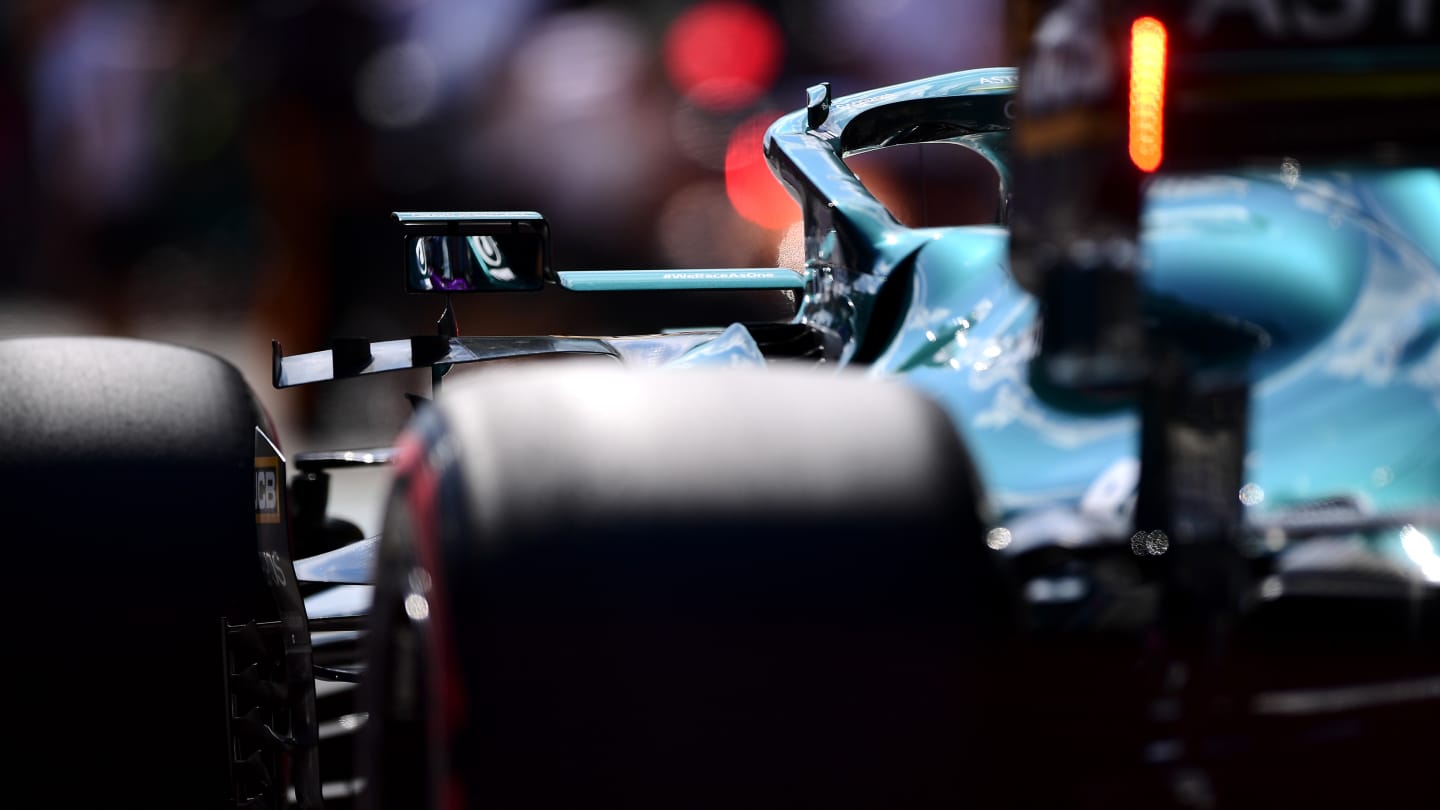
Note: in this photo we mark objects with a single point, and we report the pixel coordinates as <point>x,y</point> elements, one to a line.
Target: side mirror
<point>475,251</point>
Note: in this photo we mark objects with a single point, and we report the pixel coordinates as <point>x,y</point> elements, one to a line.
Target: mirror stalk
<point>447,327</point>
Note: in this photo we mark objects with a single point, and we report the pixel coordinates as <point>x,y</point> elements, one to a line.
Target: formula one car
<point>1125,500</point>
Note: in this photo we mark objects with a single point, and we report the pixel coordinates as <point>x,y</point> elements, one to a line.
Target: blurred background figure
<point>219,173</point>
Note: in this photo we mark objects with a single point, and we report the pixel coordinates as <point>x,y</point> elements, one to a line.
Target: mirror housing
<point>475,251</point>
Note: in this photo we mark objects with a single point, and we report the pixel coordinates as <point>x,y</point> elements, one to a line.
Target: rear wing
<point>1115,90</point>
<point>1112,91</point>
<point>1354,83</point>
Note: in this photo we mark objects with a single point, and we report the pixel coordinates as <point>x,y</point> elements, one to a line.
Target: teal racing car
<point>1128,498</point>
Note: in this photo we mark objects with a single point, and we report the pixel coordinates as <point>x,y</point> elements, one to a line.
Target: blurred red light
<point>724,54</point>
<point>753,190</point>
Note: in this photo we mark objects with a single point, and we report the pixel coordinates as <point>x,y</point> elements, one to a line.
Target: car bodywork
<point>1321,286</point>
<point>1315,291</point>
<point>1324,283</point>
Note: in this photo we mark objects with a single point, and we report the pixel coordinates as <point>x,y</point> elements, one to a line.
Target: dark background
<point>220,173</point>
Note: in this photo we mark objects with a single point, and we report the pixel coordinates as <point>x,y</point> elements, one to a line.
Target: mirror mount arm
<point>447,327</point>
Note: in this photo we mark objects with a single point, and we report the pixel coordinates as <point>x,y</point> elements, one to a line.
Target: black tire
<point>693,589</point>
<point>127,483</point>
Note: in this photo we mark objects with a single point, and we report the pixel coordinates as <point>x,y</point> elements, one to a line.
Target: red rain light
<point>722,55</point>
<point>1147,93</point>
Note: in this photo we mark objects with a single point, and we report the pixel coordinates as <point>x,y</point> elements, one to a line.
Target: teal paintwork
<point>1349,311</point>
<point>852,243</point>
<point>727,278</point>
<point>1326,286</point>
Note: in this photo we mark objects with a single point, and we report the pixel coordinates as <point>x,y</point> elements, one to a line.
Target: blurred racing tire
<point>127,478</point>
<point>696,588</point>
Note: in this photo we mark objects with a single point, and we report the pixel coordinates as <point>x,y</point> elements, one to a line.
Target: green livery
<point>741,278</point>
<point>1324,285</point>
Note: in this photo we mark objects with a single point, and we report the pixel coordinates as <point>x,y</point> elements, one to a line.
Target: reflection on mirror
<point>474,263</point>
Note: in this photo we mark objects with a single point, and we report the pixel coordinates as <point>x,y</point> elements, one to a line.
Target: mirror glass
<point>474,262</point>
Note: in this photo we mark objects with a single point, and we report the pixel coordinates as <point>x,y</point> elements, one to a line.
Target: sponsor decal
<point>1315,20</point>
<point>268,498</point>
<point>711,276</point>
